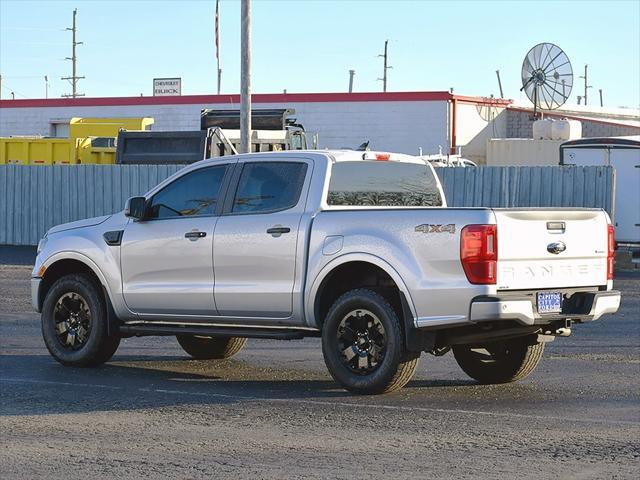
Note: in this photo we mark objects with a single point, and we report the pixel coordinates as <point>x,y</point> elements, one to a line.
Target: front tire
<point>209,348</point>
<point>74,322</point>
<point>503,361</point>
<point>363,344</point>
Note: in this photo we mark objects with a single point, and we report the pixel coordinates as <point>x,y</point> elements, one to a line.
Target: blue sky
<point>309,46</point>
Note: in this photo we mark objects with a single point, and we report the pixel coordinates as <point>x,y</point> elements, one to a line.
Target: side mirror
<point>135,207</point>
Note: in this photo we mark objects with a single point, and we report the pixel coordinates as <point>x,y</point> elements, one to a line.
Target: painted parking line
<point>327,403</point>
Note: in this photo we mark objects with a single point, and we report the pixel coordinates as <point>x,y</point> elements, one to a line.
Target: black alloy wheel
<point>361,339</point>
<point>72,320</point>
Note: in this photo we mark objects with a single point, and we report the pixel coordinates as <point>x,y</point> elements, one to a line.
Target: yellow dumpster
<point>91,141</point>
<point>35,151</point>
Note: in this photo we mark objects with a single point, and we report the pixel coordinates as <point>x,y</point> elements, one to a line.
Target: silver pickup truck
<point>358,248</point>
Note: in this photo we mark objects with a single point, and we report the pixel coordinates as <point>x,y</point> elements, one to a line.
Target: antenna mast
<point>74,77</point>
<point>586,85</point>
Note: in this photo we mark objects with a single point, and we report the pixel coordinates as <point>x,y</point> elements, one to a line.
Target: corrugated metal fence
<point>34,198</point>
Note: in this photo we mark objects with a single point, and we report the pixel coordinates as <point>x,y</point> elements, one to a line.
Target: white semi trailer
<point>622,153</point>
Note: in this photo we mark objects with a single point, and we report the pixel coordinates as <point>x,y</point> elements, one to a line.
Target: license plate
<point>549,302</point>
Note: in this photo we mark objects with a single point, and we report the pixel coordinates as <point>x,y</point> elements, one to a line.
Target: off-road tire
<point>99,346</point>
<point>513,360</point>
<point>209,348</point>
<point>397,366</point>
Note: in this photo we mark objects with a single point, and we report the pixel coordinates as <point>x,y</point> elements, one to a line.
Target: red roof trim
<point>256,98</point>
<point>496,102</point>
<point>230,99</point>
<point>576,117</point>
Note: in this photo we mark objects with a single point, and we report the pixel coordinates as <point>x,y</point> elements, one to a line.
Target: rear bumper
<point>587,307</point>
<point>35,293</point>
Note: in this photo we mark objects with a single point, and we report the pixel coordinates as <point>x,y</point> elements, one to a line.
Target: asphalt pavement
<point>273,411</point>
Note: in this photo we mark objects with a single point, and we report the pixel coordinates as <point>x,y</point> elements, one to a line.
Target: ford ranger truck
<point>358,248</point>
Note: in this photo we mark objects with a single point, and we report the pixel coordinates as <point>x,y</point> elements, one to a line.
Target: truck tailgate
<point>543,249</point>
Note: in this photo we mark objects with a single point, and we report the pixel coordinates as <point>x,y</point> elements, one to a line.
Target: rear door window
<point>269,187</point>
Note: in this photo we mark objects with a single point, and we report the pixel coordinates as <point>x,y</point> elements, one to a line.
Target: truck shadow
<point>37,385</point>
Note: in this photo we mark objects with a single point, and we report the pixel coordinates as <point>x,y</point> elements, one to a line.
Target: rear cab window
<point>266,187</point>
<point>383,184</point>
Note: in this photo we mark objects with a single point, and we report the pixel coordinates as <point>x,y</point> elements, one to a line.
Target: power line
<point>73,79</point>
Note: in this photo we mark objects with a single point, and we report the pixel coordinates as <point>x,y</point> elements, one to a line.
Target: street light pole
<point>245,77</point>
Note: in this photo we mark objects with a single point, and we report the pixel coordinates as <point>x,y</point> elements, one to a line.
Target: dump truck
<point>219,135</point>
<point>91,141</point>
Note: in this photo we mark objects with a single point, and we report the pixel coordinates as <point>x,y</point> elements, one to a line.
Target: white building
<point>396,121</point>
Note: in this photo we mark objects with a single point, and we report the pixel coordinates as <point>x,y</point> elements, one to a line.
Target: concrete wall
<point>475,125</point>
<point>523,151</point>
<point>520,125</point>
<point>399,126</point>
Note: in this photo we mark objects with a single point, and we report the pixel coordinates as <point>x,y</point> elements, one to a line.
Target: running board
<point>141,330</point>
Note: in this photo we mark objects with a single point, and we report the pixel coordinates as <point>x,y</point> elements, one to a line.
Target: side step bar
<point>151,329</point>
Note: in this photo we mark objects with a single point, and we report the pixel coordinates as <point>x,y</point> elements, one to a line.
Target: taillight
<point>479,253</point>
<point>611,248</point>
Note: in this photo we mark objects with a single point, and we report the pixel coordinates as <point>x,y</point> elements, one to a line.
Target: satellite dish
<point>547,77</point>
<point>488,109</point>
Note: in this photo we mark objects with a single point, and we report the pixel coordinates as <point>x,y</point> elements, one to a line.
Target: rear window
<point>388,184</point>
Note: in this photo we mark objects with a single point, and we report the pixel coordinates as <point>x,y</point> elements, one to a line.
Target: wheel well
<point>351,275</point>
<point>58,270</point>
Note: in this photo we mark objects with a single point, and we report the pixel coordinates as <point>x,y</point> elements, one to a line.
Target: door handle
<point>194,235</point>
<point>277,231</point>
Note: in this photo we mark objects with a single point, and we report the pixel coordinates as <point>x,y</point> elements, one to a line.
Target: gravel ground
<point>273,412</point>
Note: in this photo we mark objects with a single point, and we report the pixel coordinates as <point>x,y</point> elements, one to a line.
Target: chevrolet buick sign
<point>167,87</point>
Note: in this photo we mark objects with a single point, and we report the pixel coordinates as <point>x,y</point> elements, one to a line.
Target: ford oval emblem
<point>556,247</point>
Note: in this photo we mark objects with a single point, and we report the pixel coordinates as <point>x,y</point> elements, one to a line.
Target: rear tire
<point>74,322</point>
<point>503,361</point>
<point>363,344</point>
<point>209,348</point>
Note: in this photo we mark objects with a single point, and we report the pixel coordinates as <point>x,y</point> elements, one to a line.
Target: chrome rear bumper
<point>523,310</point>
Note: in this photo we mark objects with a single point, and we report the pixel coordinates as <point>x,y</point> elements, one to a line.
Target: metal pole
<point>386,67</point>
<point>0,86</point>
<point>351,74</point>
<point>46,87</point>
<point>586,85</point>
<point>73,55</point>
<point>499,83</point>
<point>74,78</point>
<point>384,77</point>
<point>245,77</point>
<point>601,104</point>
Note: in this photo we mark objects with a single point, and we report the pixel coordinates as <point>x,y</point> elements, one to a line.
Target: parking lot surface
<point>273,411</point>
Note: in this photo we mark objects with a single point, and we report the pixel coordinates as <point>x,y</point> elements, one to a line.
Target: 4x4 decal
<point>432,228</point>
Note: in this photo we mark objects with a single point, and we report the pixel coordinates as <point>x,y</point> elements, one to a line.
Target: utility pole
<point>245,77</point>
<point>601,104</point>
<point>586,85</point>
<point>74,77</point>
<point>46,86</point>
<point>384,75</point>
<point>351,74</point>
<point>499,83</point>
